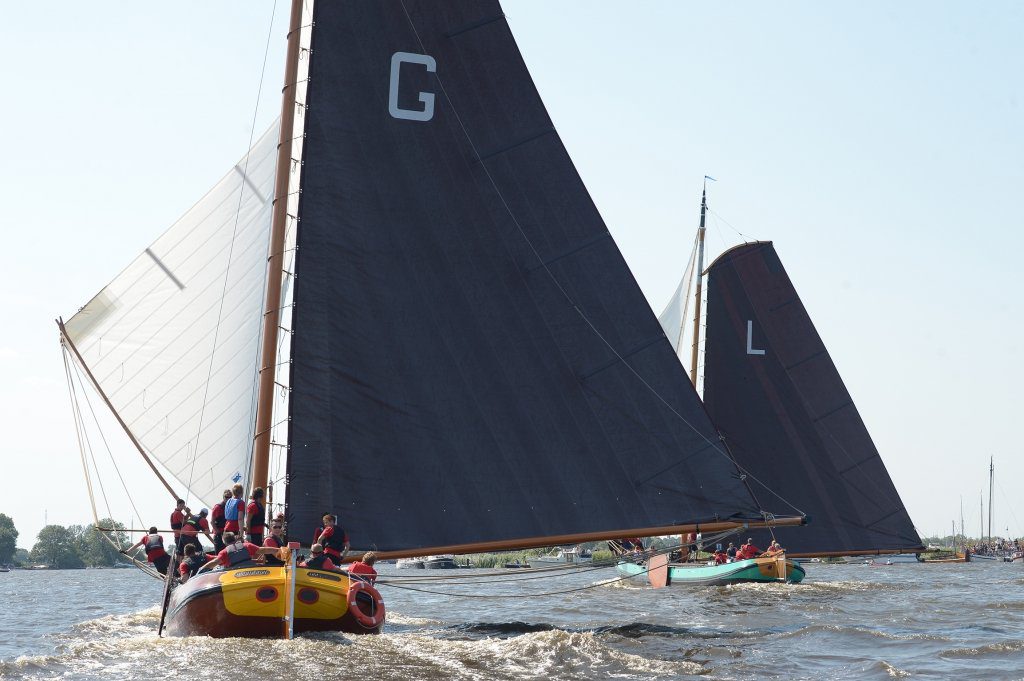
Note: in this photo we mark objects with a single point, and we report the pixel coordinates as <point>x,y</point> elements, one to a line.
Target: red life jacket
<point>273,542</point>
<point>177,520</point>
<point>217,518</point>
<point>334,542</point>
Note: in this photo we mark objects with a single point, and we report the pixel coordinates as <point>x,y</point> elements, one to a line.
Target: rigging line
<point>234,232</point>
<point>1007,500</point>
<point>746,239</point>
<point>76,416</point>
<point>103,437</point>
<point>551,275</point>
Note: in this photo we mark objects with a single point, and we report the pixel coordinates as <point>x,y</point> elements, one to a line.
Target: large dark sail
<point>774,393</point>
<point>472,358</point>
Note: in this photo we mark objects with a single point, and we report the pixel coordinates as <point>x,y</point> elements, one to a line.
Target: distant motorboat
<point>570,555</point>
<point>517,564</point>
<point>410,564</point>
<point>443,562</point>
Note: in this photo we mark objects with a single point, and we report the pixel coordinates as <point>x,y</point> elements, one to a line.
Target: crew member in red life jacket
<point>720,556</point>
<point>256,517</point>
<point>774,550</point>
<point>234,511</point>
<point>275,540</point>
<point>749,550</point>
<point>194,524</point>
<point>155,552</point>
<point>217,522</point>
<point>194,560</point>
<point>333,538</point>
<point>364,567</point>
<point>318,560</point>
<point>177,520</point>
<point>237,552</point>
<point>319,530</point>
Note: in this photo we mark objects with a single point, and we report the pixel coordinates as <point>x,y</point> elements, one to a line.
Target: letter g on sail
<point>397,59</point>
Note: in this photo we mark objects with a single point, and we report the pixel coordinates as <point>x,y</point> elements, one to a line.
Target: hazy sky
<point>880,146</point>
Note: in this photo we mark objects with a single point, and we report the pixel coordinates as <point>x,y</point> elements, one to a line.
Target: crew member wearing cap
<point>318,560</point>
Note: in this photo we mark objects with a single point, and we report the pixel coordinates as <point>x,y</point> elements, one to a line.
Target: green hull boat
<point>702,574</point>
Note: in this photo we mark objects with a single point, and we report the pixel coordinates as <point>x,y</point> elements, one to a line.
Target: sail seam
<point>501,150</point>
<point>616,360</point>
<point>808,358</point>
<point>475,25</point>
<point>821,417</point>
<point>582,246</point>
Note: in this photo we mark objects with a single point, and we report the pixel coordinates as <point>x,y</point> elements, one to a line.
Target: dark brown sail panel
<point>774,393</point>
<point>472,358</point>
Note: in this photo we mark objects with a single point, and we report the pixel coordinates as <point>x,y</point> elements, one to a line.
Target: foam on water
<point>925,622</point>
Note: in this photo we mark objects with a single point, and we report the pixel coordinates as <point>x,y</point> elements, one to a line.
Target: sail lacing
<point>551,276</point>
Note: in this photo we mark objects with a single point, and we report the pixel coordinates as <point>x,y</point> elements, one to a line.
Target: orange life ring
<point>369,621</point>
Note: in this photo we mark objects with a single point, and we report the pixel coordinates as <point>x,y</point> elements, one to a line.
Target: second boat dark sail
<point>772,390</point>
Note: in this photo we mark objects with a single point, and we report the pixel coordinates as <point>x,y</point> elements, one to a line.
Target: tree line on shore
<point>57,546</point>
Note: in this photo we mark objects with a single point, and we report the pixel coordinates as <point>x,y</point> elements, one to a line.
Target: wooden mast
<point>275,259</point>
<point>700,271</point>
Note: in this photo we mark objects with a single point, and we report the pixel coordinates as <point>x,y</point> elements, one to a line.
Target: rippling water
<point>844,621</point>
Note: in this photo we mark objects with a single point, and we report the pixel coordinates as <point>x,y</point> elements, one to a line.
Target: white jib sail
<point>173,340</point>
<point>674,319</point>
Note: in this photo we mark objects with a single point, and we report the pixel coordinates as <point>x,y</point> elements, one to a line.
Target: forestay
<point>771,388</point>
<point>149,336</point>
<point>674,317</point>
<point>472,359</point>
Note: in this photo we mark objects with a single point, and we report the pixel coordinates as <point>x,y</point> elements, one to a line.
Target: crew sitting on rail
<point>774,550</point>
<point>364,567</point>
<point>748,550</point>
<point>194,560</point>
<point>177,520</point>
<point>721,557</point>
<point>256,517</point>
<point>238,552</point>
<point>194,524</point>
<point>318,560</point>
<point>155,552</point>
<point>217,520</point>
<point>332,538</point>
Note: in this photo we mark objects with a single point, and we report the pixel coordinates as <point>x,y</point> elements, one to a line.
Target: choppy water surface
<point>844,621</point>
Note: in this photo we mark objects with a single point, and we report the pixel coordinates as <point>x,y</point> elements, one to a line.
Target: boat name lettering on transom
<point>751,350</point>
<point>252,573</point>
<point>333,578</point>
<point>427,98</point>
